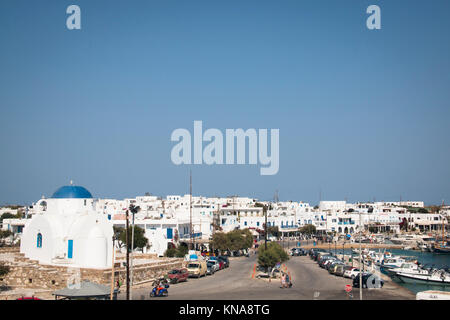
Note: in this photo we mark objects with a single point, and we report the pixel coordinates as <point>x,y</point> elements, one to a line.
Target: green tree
<point>308,229</point>
<point>182,250</point>
<point>8,215</point>
<point>140,241</point>
<point>4,269</point>
<point>274,254</point>
<point>170,252</point>
<point>273,230</point>
<point>233,240</point>
<point>5,234</point>
<point>220,241</point>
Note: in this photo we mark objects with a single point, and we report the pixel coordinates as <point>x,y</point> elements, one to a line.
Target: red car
<point>28,298</point>
<point>221,265</point>
<point>178,275</point>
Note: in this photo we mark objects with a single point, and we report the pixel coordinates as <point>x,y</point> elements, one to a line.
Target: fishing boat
<point>413,273</point>
<point>442,247</point>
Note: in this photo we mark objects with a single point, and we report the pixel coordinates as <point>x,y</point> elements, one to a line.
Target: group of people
<point>285,280</point>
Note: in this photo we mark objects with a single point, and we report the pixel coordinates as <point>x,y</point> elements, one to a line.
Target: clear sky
<point>362,114</point>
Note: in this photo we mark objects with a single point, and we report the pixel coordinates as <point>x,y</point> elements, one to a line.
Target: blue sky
<point>362,114</point>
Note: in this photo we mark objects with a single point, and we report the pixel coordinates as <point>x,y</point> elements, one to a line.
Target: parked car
<point>209,269</point>
<point>214,264</point>
<point>178,275</point>
<point>331,267</point>
<point>351,273</point>
<point>368,280</point>
<point>298,252</point>
<point>339,270</point>
<point>324,262</point>
<point>237,253</point>
<point>197,268</point>
<point>225,260</point>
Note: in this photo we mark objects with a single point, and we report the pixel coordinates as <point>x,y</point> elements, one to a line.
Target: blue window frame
<point>70,249</point>
<point>39,240</point>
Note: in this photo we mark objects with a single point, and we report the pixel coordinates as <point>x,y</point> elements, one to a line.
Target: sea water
<point>439,260</point>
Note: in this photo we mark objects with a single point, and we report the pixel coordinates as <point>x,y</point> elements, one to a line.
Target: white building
<point>66,230</point>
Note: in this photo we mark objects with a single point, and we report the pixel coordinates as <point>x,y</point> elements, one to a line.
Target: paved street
<point>235,283</point>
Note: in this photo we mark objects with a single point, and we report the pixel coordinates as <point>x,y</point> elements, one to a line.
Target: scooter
<point>162,292</point>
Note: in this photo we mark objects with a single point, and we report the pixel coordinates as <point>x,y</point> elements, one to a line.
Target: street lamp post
<point>265,226</point>
<point>360,258</point>
<point>335,248</point>
<point>133,210</point>
<point>128,259</point>
<point>112,268</point>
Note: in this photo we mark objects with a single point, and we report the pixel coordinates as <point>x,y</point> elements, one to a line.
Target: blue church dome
<point>72,192</point>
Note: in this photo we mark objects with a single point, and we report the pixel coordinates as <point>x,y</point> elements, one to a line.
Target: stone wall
<point>26,273</point>
<point>9,249</point>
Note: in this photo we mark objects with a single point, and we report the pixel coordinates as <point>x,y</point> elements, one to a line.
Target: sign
<point>348,288</point>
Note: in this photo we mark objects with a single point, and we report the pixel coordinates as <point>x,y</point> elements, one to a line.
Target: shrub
<point>274,254</point>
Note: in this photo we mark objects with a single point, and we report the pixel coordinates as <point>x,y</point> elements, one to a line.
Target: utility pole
<point>132,255</point>
<point>112,269</point>
<point>360,258</point>
<point>265,226</point>
<point>128,259</point>
<point>190,208</point>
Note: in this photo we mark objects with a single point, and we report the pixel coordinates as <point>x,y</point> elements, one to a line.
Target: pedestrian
<point>283,280</point>
<point>288,281</point>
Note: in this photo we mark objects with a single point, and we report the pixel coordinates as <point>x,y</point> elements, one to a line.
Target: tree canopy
<point>178,252</point>
<point>9,215</point>
<point>233,240</point>
<point>4,269</point>
<point>274,254</point>
<point>308,229</point>
<point>140,241</point>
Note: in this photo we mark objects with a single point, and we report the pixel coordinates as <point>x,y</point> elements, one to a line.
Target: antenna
<point>190,207</point>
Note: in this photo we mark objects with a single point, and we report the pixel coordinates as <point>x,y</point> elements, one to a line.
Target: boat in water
<point>414,273</point>
<point>433,295</point>
<point>442,246</point>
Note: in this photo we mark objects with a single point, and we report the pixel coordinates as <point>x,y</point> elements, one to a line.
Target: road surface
<point>236,283</point>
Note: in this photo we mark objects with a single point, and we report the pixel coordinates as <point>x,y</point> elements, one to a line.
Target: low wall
<point>38,276</point>
<point>9,249</point>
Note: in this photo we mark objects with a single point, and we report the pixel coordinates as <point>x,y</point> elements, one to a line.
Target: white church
<point>66,230</point>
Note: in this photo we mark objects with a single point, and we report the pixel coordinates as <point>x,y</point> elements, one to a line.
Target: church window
<point>39,240</point>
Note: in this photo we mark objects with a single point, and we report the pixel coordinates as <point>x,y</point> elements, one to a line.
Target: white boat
<point>413,273</point>
<point>433,295</point>
<point>393,262</point>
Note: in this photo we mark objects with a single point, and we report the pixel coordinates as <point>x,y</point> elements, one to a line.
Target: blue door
<point>169,233</point>
<point>70,249</point>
